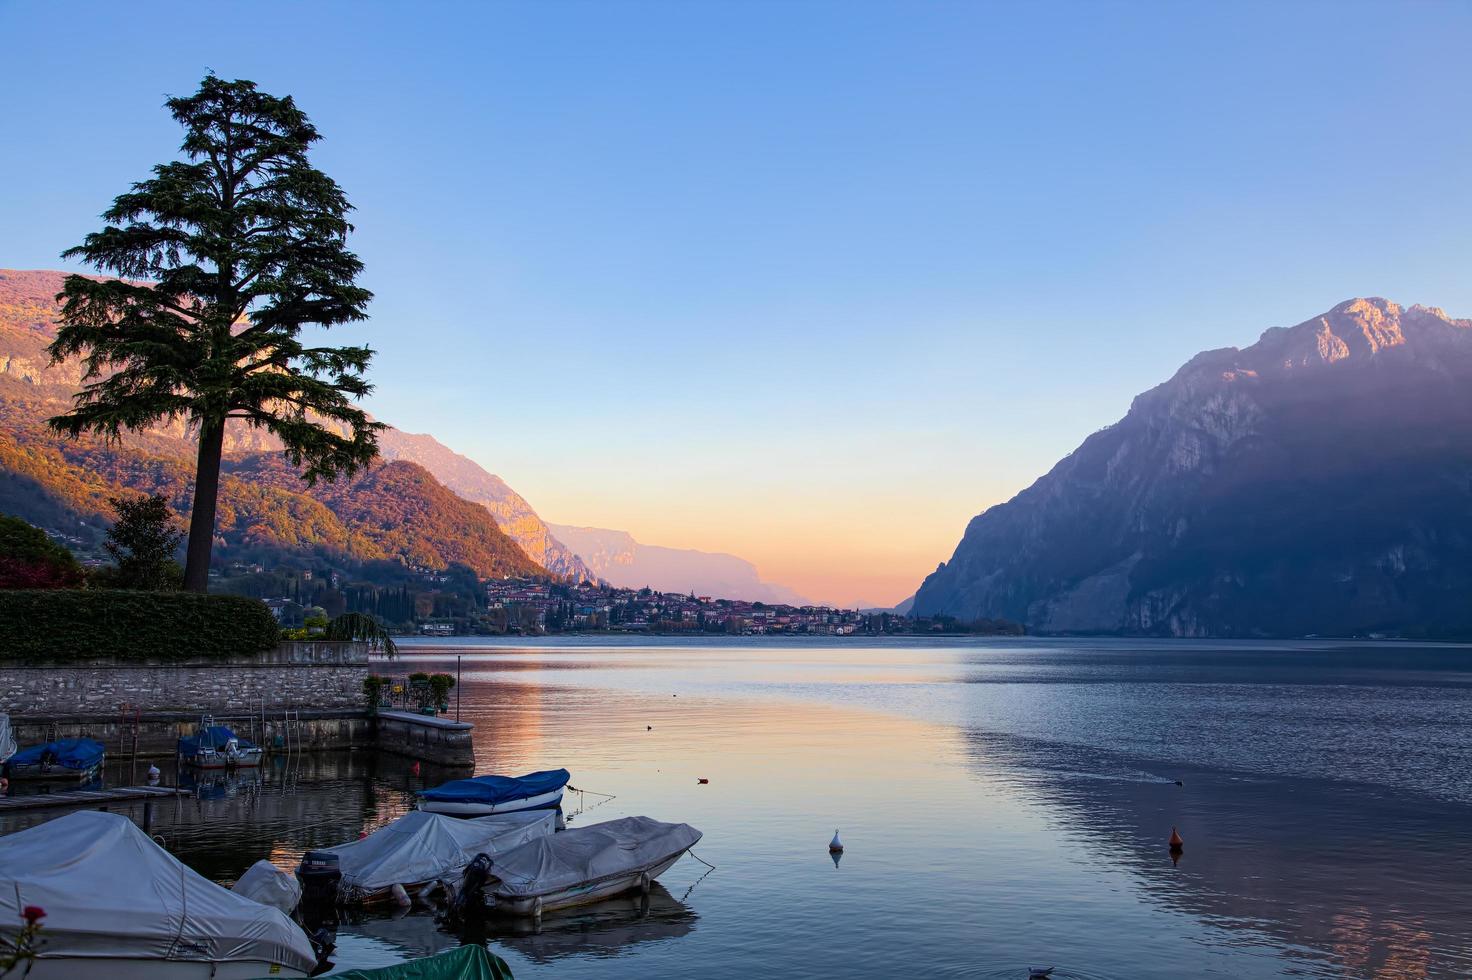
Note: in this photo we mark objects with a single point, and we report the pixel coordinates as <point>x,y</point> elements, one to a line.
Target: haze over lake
<point>1003,803</point>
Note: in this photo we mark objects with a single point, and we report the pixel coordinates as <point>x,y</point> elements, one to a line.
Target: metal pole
<point>457,687</point>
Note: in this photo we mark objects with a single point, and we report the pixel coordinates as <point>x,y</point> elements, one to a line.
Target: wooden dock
<point>87,797</point>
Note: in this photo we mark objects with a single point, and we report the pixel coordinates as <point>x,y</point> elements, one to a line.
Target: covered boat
<point>119,907</point>
<point>265,883</point>
<point>463,963</point>
<point>217,747</point>
<point>481,796</point>
<point>421,848</point>
<point>585,865</point>
<point>68,759</point>
<point>7,738</point>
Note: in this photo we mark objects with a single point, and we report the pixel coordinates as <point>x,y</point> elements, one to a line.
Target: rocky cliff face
<point>31,388</point>
<point>1319,481</point>
<point>616,557</point>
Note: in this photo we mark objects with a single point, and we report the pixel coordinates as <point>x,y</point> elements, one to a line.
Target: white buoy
<point>835,845</point>
<point>401,895</point>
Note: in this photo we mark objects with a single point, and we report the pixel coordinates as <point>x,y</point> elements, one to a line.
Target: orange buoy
<point>414,769</point>
<point>1176,843</point>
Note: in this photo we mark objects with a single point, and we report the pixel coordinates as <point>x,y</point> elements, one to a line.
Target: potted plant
<point>439,688</point>
<point>421,693</point>
<point>373,688</point>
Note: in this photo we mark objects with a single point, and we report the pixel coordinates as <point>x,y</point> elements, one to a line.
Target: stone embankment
<point>300,696</point>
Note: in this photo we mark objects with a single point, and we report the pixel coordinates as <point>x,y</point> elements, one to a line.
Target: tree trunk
<point>202,511</point>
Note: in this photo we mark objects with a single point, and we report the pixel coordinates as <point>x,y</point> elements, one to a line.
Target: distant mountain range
<point>425,505</point>
<point>1319,481</point>
<point>468,479</point>
<point>620,560</point>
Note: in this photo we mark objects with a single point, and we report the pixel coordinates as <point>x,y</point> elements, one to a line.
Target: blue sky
<point>813,283</point>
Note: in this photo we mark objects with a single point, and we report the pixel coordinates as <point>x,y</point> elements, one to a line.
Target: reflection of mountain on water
<point>606,929</point>
<point>1351,879</point>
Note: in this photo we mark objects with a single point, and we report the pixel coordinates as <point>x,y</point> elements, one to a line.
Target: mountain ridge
<point>625,562</point>
<point>1317,481</point>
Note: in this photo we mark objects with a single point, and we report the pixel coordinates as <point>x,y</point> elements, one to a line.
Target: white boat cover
<point>109,891</point>
<point>7,738</point>
<point>265,883</point>
<point>421,846</point>
<point>600,850</point>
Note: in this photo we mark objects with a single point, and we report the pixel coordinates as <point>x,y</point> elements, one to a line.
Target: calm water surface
<point>1004,804</point>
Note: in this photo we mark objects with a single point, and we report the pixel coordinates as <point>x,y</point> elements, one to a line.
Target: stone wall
<point>309,675</point>
<point>427,738</point>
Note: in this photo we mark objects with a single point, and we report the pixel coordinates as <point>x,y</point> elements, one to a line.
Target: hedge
<point>84,624</point>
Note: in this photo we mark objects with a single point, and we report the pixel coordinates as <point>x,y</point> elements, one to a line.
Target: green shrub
<point>29,559</point>
<point>439,689</point>
<point>60,625</point>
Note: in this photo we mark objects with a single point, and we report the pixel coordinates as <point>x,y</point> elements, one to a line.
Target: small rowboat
<point>67,760</point>
<point>577,867</point>
<point>482,796</point>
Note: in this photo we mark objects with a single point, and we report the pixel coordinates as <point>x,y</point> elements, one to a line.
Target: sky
<point>812,283</point>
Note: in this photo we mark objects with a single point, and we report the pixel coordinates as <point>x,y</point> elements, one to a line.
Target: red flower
<point>32,914</point>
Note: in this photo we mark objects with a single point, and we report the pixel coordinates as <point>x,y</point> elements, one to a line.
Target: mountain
<point>469,480</point>
<point>616,557</point>
<point>395,511</point>
<point>1318,481</point>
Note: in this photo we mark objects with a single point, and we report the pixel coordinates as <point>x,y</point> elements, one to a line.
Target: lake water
<point>1004,803</point>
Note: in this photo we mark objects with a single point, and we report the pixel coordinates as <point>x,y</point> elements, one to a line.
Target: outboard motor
<point>469,902</point>
<point>319,874</point>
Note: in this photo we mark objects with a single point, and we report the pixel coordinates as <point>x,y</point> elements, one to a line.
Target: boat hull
<point>51,774</point>
<point>584,894</point>
<point>460,808</point>
<point>248,759</point>
<point>120,968</point>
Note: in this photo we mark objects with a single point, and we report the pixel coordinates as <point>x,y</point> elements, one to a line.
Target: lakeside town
<point>439,604</point>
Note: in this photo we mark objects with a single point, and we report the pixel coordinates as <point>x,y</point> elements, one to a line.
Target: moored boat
<point>420,848</point>
<point>217,747</point>
<point>7,738</point>
<point>482,796</point>
<point>577,867</point>
<point>119,907</point>
<point>468,962</point>
<point>65,760</point>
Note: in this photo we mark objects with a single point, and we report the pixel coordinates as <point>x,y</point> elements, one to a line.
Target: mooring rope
<point>697,881</point>
<point>583,803</point>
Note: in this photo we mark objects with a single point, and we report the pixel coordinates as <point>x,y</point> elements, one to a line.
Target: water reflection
<point>1001,804</point>
<point>1347,879</point>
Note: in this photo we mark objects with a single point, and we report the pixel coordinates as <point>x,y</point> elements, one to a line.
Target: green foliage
<point>143,541</point>
<point>29,559</point>
<point>362,628</point>
<point>243,245</point>
<point>439,688</point>
<point>373,687</point>
<point>79,624</point>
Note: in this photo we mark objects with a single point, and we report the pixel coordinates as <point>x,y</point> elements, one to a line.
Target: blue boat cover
<point>498,789</point>
<point>71,753</point>
<point>215,737</point>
